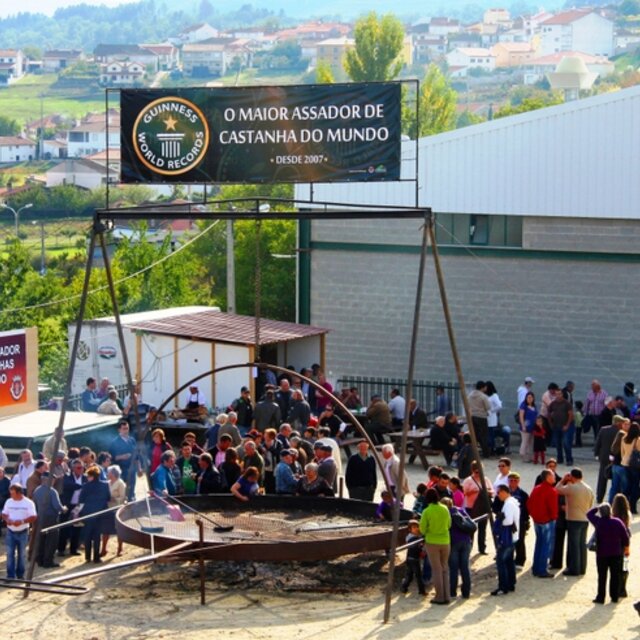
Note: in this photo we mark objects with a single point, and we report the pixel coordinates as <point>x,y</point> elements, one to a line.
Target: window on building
<point>460,229</point>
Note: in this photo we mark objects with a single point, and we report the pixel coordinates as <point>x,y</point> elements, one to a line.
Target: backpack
<point>461,521</point>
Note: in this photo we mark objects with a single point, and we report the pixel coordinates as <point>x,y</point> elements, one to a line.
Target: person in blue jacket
<point>162,481</point>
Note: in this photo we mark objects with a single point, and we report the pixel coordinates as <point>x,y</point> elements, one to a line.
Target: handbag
<point>592,543</point>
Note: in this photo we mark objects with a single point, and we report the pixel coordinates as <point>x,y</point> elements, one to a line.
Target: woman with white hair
<point>311,484</point>
<point>118,492</point>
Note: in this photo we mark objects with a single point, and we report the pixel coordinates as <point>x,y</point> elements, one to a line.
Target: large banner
<point>18,371</point>
<point>305,133</point>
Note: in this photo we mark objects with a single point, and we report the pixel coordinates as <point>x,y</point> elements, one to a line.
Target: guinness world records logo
<point>170,136</point>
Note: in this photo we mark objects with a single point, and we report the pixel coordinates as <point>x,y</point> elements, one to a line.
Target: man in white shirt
<point>25,468</point>
<point>18,513</point>
<point>397,406</point>
<point>524,388</point>
<point>507,527</point>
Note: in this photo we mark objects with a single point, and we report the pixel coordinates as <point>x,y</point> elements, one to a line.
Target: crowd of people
<point>288,443</point>
<point>450,513</point>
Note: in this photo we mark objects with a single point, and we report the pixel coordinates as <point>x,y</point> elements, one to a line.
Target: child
<point>418,505</point>
<point>455,486</point>
<point>577,420</point>
<point>414,552</point>
<point>385,508</point>
<point>539,440</point>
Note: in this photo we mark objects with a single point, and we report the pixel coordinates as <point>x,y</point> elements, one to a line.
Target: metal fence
<point>424,391</point>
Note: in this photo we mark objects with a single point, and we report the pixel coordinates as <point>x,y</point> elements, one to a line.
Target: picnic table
<point>415,445</point>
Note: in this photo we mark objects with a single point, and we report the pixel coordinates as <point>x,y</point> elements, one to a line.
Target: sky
<point>10,7</point>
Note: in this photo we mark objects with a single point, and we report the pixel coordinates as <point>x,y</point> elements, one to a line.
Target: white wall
<point>228,383</point>
<point>593,34</point>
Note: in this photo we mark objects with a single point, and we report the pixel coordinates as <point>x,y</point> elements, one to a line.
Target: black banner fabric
<point>302,133</point>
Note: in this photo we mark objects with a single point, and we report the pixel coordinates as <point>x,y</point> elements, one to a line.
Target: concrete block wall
<point>580,234</point>
<point>548,318</point>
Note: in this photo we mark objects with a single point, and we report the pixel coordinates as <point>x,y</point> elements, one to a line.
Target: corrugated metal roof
<point>217,326</point>
<point>577,159</point>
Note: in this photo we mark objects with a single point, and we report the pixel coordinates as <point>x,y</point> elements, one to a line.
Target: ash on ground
<point>342,575</point>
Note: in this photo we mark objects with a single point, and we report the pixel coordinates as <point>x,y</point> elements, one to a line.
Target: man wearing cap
<point>286,481</point>
<point>18,513</point>
<point>244,409</point>
<point>326,464</point>
<point>267,413</point>
<point>379,419</point>
<point>602,452</point>
<point>524,388</point>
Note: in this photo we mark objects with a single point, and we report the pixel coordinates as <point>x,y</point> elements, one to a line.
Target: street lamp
<point>16,214</point>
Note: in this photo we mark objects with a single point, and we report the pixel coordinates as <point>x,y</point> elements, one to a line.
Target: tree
<point>630,7</point>
<point>437,105</point>
<point>8,127</point>
<point>378,44</point>
<point>537,100</point>
<point>467,118</point>
<point>324,73</point>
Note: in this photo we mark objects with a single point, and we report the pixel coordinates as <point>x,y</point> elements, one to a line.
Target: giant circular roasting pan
<point>268,528</point>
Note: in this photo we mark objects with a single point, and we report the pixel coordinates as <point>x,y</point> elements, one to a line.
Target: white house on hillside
<point>198,32</point>
<point>11,65</point>
<point>15,149</point>
<point>79,172</point>
<point>577,30</point>
<point>121,74</point>
<point>91,137</point>
<point>465,58</point>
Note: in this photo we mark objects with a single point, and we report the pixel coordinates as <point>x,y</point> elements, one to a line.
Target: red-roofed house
<point>167,55</point>
<point>538,68</point>
<point>577,30</point>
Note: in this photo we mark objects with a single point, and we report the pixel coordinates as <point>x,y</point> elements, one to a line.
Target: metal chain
<point>258,290</point>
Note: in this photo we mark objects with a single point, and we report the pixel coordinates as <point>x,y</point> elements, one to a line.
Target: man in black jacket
<point>361,476</point>
<point>70,498</point>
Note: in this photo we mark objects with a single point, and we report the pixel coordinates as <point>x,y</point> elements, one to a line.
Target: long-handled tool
<point>347,526</point>
<point>217,527</point>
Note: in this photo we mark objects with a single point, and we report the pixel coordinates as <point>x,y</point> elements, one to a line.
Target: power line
<point>51,303</point>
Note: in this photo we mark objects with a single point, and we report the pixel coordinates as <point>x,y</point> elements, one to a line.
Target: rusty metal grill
<point>269,527</point>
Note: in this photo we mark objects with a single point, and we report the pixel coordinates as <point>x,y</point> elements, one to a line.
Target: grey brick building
<point>538,220</point>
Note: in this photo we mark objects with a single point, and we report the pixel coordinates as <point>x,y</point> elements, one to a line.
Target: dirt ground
<point>342,598</point>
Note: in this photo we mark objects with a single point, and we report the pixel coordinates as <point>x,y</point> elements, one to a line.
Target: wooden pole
<point>59,431</point>
<point>405,425</point>
<point>484,495</point>
<point>201,560</point>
